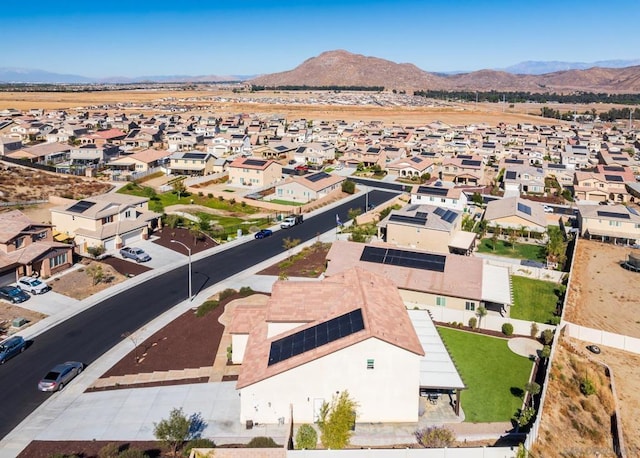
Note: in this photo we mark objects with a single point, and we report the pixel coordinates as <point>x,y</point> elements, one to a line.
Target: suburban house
<point>183,141</point>
<point>524,179</point>
<point>563,174</point>
<point>368,157</point>
<point>612,223</point>
<point>108,220</point>
<point>9,144</point>
<point>191,163</point>
<point>427,227</point>
<point>44,153</point>
<point>101,137</point>
<point>516,213</point>
<point>249,171</point>
<point>141,138</point>
<point>426,279</point>
<point>308,187</point>
<point>315,153</point>
<point>355,321</point>
<point>465,170</point>
<point>28,248</point>
<point>606,183</point>
<point>441,195</point>
<point>139,162</point>
<point>577,156</point>
<point>414,166</point>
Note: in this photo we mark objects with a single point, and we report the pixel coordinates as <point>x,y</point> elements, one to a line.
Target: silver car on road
<point>60,375</point>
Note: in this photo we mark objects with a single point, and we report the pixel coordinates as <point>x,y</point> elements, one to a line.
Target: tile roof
<point>384,314</point>
<point>12,223</point>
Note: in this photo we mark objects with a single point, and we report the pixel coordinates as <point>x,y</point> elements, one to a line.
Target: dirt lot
<point>602,294</point>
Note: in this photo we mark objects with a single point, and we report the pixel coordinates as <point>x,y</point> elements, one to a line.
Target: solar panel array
<point>511,175</point>
<point>316,336</point>
<point>613,168</point>
<point>524,208</point>
<point>606,214</point>
<point>317,176</point>
<point>81,206</point>
<point>514,161</point>
<point>193,156</point>
<point>446,215</point>
<point>616,178</point>
<point>254,162</point>
<point>432,191</point>
<point>408,219</point>
<point>403,258</point>
<point>470,163</point>
<point>416,159</point>
<point>464,156</point>
<point>556,166</point>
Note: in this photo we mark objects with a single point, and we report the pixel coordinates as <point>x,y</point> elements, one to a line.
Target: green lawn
<point>520,251</point>
<point>533,300</point>
<point>286,202</point>
<point>494,375</point>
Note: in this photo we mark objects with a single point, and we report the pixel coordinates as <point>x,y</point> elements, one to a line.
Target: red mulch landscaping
<point>310,263</point>
<point>181,234</point>
<point>88,449</point>
<point>124,266</point>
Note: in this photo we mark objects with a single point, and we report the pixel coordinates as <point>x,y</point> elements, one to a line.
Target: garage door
<point>131,237</point>
<point>110,244</point>
<point>6,278</point>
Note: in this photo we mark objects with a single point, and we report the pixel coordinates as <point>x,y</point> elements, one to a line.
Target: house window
<point>370,364</point>
<point>471,306</point>
<point>615,223</point>
<point>107,219</point>
<point>441,301</point>
<point>58,260</point>
<point>127,214</point>
<point>19,242</point>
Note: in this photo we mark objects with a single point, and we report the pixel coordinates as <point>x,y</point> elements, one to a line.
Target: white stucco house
<point>315,339</point>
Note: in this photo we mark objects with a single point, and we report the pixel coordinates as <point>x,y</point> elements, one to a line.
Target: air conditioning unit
<point>18,322</point>
<point>249,424</point>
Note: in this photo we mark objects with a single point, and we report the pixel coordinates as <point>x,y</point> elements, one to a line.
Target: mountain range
<point>342,68</point>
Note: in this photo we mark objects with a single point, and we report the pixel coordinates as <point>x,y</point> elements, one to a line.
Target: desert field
<point>291,105</point>
<point>602,294</point>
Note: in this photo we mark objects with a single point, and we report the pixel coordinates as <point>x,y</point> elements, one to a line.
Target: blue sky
<point>188,37</point>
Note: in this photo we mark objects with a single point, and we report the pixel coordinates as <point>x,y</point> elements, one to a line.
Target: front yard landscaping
<point>534,300</point>
<point>494,375</point>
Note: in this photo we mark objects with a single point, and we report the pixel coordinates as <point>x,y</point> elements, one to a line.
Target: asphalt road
<point>88,335</point>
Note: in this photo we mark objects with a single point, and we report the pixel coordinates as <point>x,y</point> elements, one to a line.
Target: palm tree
<point>481,312</point>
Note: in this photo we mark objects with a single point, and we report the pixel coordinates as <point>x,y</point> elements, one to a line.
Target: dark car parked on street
<point>262,233</point>
<point>11,347</point>
<point>13,294</point>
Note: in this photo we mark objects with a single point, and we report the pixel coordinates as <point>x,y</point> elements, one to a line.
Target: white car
<point>33,285</point>
<point>547,209</point>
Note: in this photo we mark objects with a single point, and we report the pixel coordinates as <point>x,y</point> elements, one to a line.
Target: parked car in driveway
<point>60,375</point>
<point>33,285</point>
<point>137,254</point>
<point>262,233</point>
<point>11,347</point>
<point>13,294</point>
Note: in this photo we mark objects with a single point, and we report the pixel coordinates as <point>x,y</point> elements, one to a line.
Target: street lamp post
<point>189,250</point>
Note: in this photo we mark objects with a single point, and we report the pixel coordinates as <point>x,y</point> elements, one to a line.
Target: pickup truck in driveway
<point>291,221</point>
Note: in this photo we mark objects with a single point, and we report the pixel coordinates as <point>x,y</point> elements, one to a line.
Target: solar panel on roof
<point>81,206</point>
<point>513,161</point>
<point>616,178</point>
<point>316,336</point>
<point>403,258</point>
<point>422,215</point>
<point>408,219</point>
<point>613,168</point>
<point>432,191</point>
<point>449,216</point>
<point>633,210</point>
<point>511,175</point>
<point>606,214</point>
<point>439,211</point>
<point>416,159</point>
<point>193,156</point>
<point>317,176</point>
<point>254,162</point>
<point>524,208</point>
<point>470,163</point>
<point>464,156</point>
<point>556,166</point>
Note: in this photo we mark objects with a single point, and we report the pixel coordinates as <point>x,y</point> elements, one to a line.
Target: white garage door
<point>110,244</point>
<point>131,237</point>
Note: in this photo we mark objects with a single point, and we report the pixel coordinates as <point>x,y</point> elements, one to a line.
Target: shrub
<point>210,196</point>
<point>227,293</point>
<point>262,442</point>
<point>197,443</point>
<point>206,307</point>
<point>96,251</point>
<point>545,352</point>
<point>473,322</point>
<point>587,387</point>
<point>306,437</point>
<point>554,320</point>
<point>507,329</point>
<point>111,450</point>
<point>132,453</point>
<point>534,330</point>
<point>348,186</point>
<point>435,437</point>
<point>200,194</point>
<point>546,336</point>
<point>245,291</point>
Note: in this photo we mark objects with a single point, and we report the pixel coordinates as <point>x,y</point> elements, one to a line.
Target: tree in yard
<point>179,187</point>
<point>512,239</point>
<point>306,437</point>
<point>481,312</point>
<point>178,428</point>
<point>337,420</point>
<point>353,214</point>
<point>348,186</point>
<point>96,273</point>
<point>494,239</point>
<point>533,389</point>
